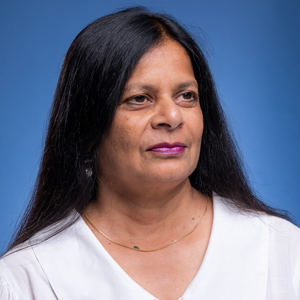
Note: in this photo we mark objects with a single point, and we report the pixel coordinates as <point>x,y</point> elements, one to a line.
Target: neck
<point>159,213</point>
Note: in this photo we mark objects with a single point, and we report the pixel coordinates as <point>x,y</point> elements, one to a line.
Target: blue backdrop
<point>253,48</point>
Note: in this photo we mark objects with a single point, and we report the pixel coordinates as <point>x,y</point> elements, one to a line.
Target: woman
<point>141,194</point>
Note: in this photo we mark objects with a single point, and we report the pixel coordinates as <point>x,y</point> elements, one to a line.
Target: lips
<point>167,149</point>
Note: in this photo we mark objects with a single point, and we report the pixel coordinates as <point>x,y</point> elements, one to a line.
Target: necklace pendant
<point>136,247</point>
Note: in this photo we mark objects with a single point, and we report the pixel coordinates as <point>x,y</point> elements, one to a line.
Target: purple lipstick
<point>167,149</point>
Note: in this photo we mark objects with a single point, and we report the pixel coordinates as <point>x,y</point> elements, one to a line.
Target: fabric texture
<point>248,257</point>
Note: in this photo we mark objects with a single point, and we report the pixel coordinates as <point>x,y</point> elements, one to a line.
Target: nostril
<point>163,124</point>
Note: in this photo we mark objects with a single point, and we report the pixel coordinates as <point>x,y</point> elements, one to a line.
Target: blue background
<point>253,48</point>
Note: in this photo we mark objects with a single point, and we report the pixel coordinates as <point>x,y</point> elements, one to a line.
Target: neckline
<point>120,270</point>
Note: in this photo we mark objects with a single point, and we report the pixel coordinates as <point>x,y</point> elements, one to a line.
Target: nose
<point>167,115</point>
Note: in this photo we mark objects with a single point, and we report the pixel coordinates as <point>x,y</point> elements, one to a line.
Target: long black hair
<point>94,73</point>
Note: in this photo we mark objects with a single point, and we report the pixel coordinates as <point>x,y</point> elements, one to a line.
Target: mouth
<point>167,149</point>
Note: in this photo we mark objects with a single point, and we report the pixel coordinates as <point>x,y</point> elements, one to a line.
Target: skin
<point>145,197</point>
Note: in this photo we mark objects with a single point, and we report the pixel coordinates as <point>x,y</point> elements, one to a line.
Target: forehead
<point>162,64</point>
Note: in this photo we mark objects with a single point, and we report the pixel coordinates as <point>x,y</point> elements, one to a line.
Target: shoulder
<point>21,275</point>
<point>18,270</point>
<point>283,259</point>
<point>284,244</point>
<point>267,244</point>
<point>278,228</point>
<point>6,291</point>
<point>279,236</point>
<point>21,270</point>
<point>283,232</point>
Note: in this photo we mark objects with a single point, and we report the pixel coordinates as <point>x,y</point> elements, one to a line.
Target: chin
<point>169,177</point>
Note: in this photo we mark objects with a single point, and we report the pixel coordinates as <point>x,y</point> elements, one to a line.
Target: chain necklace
<point>136,248</point>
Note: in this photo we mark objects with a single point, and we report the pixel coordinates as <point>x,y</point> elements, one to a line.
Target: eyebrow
<point>150,87</point>
<point>187,84</point>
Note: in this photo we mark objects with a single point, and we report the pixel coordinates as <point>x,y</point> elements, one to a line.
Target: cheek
<point>196,123</point>
<point>121,140</point>
<point>197,132</point>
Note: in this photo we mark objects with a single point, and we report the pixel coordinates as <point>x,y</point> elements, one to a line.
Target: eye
<point>138,101</point>
<point>187,98</point>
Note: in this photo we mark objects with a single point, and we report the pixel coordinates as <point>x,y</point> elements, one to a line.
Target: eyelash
<point>146,98</point>
<point>194,95</point>
<point>136,97</point>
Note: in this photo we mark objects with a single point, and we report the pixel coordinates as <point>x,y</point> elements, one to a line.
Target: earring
<point>88,169</point>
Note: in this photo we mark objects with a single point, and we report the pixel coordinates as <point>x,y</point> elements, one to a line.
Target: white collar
<point>235,264</point>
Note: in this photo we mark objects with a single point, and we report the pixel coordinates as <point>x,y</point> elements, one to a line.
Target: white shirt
<point>248,257</point>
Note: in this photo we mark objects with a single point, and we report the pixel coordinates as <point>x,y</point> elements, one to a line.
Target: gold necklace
<point>136,248</point>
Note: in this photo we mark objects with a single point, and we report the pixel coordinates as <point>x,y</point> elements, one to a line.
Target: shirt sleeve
<point>284,260</point>
<point>6,293</point>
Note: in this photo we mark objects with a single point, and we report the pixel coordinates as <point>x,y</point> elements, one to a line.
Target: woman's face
<point>157,129</point>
